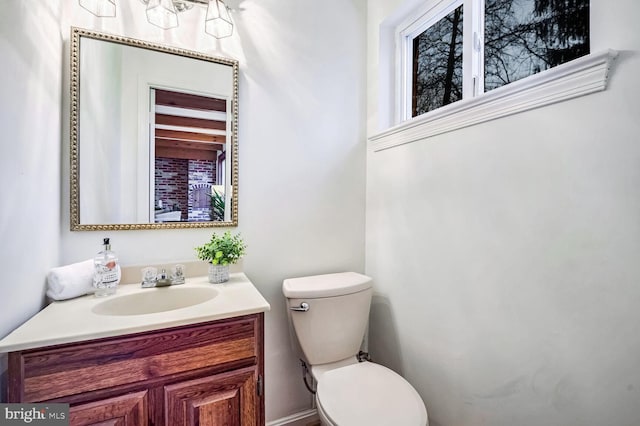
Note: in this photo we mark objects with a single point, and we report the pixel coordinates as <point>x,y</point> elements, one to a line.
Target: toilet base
<point>324,420</point>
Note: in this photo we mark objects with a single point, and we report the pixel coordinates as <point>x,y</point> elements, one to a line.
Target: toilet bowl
<point>366,393</point>
<point>329,314</point>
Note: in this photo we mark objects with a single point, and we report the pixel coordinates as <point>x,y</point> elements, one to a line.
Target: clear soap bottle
<point>107,271</point>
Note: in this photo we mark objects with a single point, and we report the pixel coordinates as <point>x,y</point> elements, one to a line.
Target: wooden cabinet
<point>227,398</point>
<point>203,374</point>
<point>125,410</point>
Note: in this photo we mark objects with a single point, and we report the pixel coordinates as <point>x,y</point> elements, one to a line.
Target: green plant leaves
<point>222,249</point>
<point>217,206</point>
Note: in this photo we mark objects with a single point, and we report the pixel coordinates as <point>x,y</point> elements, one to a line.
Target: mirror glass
<point>153,135</point>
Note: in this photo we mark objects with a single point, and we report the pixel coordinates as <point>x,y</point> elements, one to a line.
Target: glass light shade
<point>218,22</point>
<point>101,8</point>
<point>162,13</point>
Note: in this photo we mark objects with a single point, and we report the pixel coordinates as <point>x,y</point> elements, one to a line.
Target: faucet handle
<point>177,274</point>
<point>149,277</point>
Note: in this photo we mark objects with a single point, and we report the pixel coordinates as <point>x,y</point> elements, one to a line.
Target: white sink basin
<point>155,300</point>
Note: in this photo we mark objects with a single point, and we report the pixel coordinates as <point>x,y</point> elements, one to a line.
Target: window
<point>437,64</point>
<point>524,37</point>
<point>460,49</point>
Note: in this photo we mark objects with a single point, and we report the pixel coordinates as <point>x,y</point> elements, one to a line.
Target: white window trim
<point>575,78</point>
<point>405,34</point>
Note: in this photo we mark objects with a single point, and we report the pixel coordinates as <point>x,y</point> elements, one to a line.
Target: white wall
<point>30,94</point>
<point>302,156</point>
<point>505,255</point>
<point>101,124</point>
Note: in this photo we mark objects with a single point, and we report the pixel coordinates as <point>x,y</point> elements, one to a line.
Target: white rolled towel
<point>67,282</point>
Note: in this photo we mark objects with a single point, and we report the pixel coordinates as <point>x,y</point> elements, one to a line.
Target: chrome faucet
<point>151,278</point>
<point>163,280</point>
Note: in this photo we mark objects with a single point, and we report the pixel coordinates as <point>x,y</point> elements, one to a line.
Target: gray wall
<point>302,154</point>
<point>30,96</point>
<point>505,255</point>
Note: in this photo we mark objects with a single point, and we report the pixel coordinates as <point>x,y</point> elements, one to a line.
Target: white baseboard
<point>298,419</point>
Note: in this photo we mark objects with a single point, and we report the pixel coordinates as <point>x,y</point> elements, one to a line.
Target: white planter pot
<point>218,273</point>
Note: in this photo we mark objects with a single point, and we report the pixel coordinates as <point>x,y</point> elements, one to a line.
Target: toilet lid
<point>369,394</point>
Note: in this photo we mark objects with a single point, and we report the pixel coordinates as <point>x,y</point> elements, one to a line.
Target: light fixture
<point>218,22</point>
<point>101,8</point>
<point>164,13</point>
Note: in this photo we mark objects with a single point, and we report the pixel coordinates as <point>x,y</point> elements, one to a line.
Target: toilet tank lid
<point>326,285</point>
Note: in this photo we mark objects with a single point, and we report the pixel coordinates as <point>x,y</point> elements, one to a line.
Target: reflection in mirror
<point>153,136</point>
<point>188,133</point>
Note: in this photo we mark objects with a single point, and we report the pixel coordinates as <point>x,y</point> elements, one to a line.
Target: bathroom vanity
<point>201,364</point>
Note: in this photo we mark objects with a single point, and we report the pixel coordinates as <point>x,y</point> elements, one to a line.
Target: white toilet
<point>329,315</point>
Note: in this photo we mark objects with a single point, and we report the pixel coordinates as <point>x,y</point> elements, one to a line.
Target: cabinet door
<point>228,399</point>
<point>125,410</point>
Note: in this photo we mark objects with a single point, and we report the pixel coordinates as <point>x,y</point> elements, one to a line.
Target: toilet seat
<point>369,394</point>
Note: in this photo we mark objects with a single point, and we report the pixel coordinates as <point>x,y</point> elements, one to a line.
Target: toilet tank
<point>333,327</point>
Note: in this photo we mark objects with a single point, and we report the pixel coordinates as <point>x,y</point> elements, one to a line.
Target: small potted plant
<point>221,251</point>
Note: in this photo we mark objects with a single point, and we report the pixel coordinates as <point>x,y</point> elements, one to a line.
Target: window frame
<point>472,55</point>
<point>432,15</point>
<point>578,77</point>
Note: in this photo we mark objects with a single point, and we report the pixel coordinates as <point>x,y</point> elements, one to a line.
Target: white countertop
<point>74,320</point>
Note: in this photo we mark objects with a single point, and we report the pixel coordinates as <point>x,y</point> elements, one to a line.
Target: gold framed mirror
<point>153,136</point>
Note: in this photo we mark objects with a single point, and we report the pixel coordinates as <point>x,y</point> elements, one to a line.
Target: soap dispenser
<point>107,271</point>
